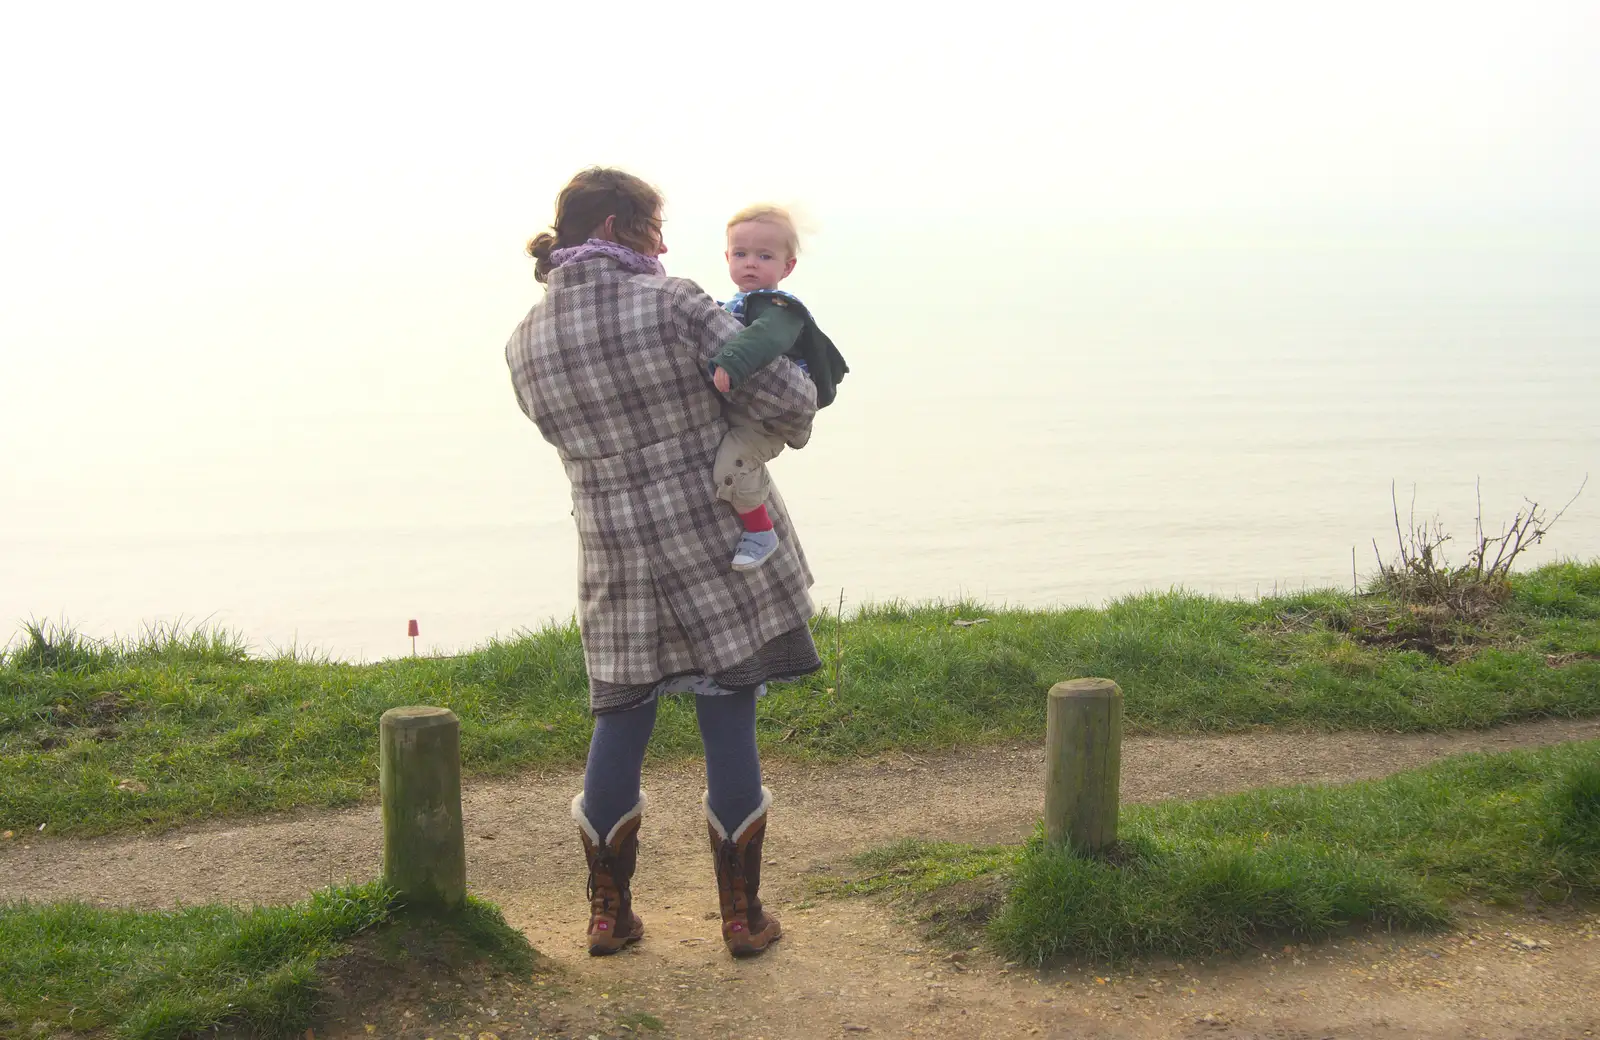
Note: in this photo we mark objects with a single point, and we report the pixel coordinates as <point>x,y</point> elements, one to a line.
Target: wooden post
<point>1083,763</point>
<point>419,769</point>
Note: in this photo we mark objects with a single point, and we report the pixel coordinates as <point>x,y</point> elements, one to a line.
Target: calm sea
<point>1022,426</point>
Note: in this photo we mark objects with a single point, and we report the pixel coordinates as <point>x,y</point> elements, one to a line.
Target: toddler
<point>762,249</point>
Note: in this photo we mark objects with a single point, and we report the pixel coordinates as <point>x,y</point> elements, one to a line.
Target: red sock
<point>757,519</point>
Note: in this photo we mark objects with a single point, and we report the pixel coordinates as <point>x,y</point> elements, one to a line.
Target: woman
<point>612,367</point>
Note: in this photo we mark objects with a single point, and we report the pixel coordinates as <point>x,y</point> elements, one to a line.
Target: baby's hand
<point>720,380</point>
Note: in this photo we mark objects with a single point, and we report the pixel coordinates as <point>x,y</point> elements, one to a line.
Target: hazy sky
<point>249,250</point>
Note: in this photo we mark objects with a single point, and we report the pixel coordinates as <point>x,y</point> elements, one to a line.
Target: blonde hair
<point>767,213</point>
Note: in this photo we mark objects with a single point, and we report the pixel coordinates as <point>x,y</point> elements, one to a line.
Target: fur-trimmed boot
<point>746,928</point>
<point>612,922</point>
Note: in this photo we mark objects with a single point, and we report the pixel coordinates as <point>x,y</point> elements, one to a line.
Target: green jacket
<point>778,324</point>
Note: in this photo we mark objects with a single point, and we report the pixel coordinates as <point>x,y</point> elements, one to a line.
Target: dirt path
<point>850,968</point>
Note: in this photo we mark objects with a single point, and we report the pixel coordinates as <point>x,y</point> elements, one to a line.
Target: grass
<point>641,1020</point>
<point>167,974</point>
<point>184,725</point>
<point>1197,877</point>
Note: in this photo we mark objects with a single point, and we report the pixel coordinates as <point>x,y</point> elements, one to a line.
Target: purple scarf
<point>633,261</point>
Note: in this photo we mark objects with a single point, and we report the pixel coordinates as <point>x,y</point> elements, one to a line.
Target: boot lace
<point>730,864</point>
<point>601,864</point>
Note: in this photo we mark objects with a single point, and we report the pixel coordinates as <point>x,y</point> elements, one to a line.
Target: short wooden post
<point>419,770</point>
<point>1083,763</point>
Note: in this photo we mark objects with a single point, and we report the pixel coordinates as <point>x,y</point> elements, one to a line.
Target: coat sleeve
<point>779,395</point>
<point>757,345</point>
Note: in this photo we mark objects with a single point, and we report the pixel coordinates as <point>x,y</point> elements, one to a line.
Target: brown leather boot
<point>746,928</point>
<point>612,922</point>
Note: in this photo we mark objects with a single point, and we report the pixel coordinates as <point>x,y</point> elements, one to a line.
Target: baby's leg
<point>741,468</point>
<point>740,471</point>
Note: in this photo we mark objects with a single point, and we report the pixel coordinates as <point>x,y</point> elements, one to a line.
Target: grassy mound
<point>1213,875</point>
<point>167,974</point>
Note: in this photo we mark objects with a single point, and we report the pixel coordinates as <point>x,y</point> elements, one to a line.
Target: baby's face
<point>758,257</point>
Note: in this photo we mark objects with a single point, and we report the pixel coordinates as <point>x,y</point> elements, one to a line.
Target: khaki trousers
<point>741,467</point>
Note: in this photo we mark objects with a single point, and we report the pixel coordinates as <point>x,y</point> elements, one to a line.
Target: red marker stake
<point>411,630</point>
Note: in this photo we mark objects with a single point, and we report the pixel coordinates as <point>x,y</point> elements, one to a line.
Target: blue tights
<point>733,766</point>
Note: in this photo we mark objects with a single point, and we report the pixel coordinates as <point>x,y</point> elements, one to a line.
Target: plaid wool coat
<point>612,367</point>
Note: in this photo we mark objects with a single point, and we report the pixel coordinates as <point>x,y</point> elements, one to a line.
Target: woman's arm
<point>782,398</point>
<point>778,395</point>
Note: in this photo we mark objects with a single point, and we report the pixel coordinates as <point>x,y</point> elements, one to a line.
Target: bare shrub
<point>1422,573</point>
